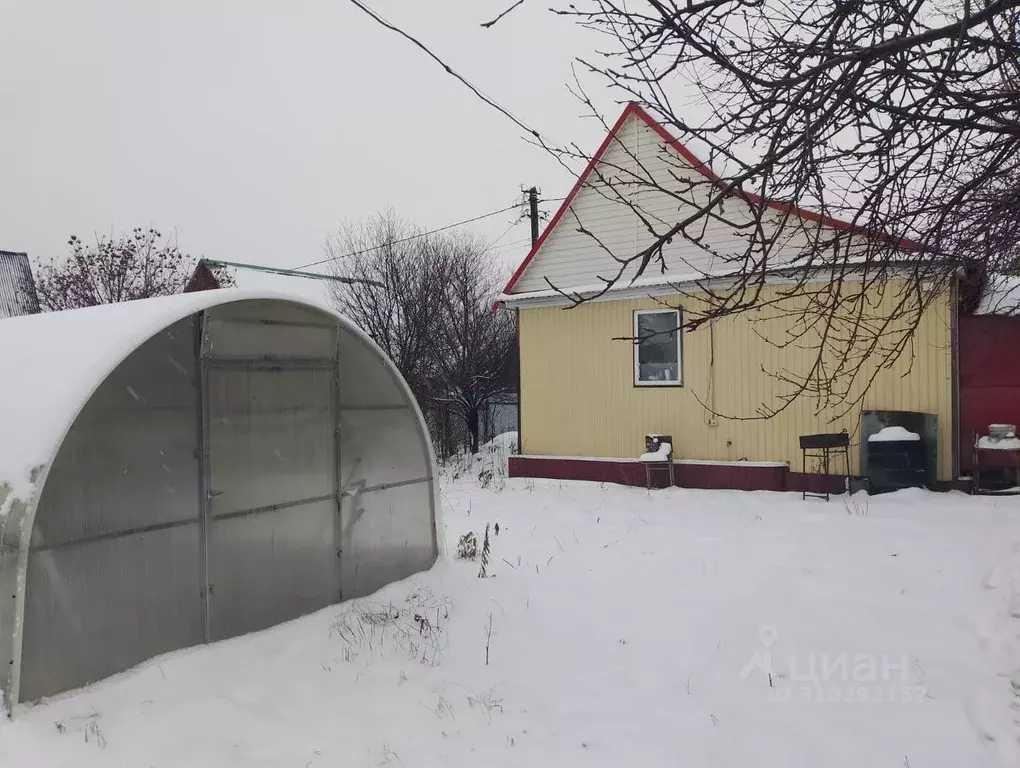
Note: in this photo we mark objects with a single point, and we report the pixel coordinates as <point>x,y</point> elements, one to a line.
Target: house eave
<point>671,285</point>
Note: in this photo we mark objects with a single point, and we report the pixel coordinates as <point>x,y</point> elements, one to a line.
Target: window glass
<point>658,348</point>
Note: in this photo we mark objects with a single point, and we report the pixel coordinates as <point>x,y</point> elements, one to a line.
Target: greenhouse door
<point>272,532</point>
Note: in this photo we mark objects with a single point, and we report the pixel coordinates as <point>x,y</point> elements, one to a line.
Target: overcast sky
<point>252,128</point>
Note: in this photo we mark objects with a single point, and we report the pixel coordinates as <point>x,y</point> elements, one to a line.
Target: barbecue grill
<point>824,447</point>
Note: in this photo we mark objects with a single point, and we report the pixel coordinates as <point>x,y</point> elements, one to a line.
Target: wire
<point>450,71</point>
<point>412,237</point>
<point>513,224</point>
<point>375,16</point>
<point>507,246</point>
<point>506,231</point>
<point>511,247</point>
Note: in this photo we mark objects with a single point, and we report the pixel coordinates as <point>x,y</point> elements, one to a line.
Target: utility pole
<point>533,213</point>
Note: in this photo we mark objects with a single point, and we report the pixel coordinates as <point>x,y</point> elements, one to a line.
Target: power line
<point>488,100</point>
<point>506,231</point>
<point>515,244</point>
<point>557,151</point>
<point>451,71</point>
<point>412,237</point>
<point>512,247</point>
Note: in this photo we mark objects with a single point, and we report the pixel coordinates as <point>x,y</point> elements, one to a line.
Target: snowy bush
<point>493,458</point>
<point>414,628</point>
<point>467,546</point>
<point>489,465</point>
<point>857,504</point>
<point>505,443</point>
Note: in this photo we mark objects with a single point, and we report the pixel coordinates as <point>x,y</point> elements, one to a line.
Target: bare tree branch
<point>896,122</point>
<point>428,307</point>
<point>135,266</point>
<point>490,24</point>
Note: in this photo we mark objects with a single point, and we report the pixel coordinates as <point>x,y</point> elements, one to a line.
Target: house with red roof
<point>610,357</point>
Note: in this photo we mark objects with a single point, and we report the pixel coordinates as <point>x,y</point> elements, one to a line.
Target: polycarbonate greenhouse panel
<point>271,310</point>
<point>378,446</point>
<point>95,609</point>
<point>124,479</point>
<point>72,353</point>
<point>363,382</point>
<point>271,567</point>
<point>272,540</point>
<point>10,588</point>
<point>129,461</point>
<point>384,537</point>
<point>268,330</point>
<point>245,339</point>
<point>271,437</point>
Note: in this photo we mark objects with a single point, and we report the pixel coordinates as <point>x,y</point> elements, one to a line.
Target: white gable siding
<point>635,161</point>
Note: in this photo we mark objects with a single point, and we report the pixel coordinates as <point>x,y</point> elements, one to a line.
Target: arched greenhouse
<point>181,470</point>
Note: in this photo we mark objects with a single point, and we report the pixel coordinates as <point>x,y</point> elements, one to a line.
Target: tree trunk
<point>472,425</point>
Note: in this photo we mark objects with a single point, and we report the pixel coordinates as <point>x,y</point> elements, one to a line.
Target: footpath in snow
<point>621,627</point>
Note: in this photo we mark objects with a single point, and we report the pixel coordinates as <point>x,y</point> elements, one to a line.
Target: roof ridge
<point>633,108</point>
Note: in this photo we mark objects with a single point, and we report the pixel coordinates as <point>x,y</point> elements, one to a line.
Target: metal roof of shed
<point>17,287</point>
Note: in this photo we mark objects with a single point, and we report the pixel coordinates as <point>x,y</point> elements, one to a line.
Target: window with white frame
<point>658,361</point>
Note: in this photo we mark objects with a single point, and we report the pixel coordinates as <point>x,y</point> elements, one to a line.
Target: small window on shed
<point>657,348</point>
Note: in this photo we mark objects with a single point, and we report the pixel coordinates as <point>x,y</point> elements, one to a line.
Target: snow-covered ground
<point>621,627</point>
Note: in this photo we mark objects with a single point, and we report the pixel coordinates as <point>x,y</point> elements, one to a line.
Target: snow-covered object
<point>51,364</point>
<point>631,460</point>
<point>1002,430</point>
<point>654,281</point>
<point>1001,296</point>
<point>662,284</point>
<point>894,435</point>
<point>502,443</point>
<point>739,463</point>
<point>989,443</point>
<point>662,454</point>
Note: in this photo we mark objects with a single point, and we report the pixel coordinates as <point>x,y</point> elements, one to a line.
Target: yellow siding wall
<point>578,397</point>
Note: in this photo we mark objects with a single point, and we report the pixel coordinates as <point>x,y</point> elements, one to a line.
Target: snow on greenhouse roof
<point>53,363</point>
<point>308,290</point>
